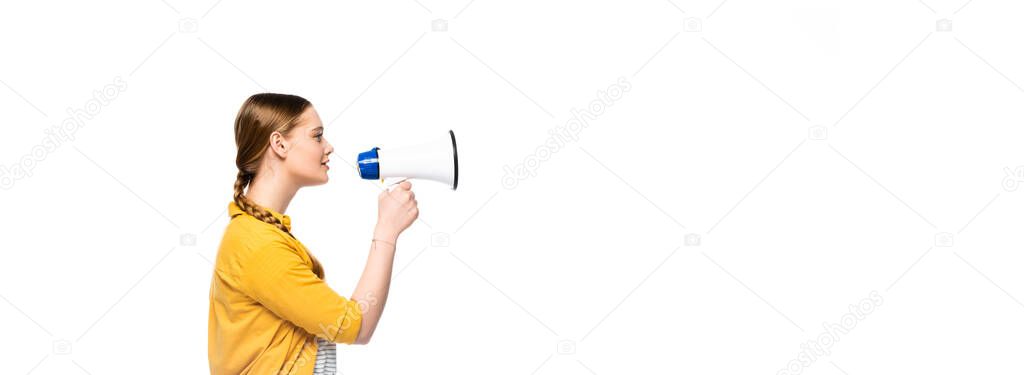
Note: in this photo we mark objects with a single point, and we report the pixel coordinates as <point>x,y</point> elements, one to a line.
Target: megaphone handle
<point>392,185</point>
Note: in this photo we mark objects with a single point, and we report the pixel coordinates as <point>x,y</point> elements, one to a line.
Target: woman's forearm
<point>396,210</point>
<point>372,290</point>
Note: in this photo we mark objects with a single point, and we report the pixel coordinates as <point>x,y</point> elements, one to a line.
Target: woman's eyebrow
<point>318,129</point>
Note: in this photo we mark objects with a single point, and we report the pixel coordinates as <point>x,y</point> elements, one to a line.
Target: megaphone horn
<point>437,161</point>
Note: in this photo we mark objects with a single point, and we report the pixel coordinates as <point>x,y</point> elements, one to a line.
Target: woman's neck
<point>271,192</point>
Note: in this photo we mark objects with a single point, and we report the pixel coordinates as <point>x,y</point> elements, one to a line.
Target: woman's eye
<point>319,137</point>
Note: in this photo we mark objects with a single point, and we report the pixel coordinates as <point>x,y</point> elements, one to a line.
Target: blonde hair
<point>260,116</point>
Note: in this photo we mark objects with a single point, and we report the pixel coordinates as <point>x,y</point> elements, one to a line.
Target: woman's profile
<point>270,310</point>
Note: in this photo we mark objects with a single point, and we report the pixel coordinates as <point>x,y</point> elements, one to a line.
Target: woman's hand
<point>396,210</point>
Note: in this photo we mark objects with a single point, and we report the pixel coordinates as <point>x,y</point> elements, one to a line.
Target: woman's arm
<point>397,209</point>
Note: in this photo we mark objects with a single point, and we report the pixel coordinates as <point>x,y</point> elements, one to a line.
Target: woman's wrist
<point>385,235</point>
<point>381,244</point>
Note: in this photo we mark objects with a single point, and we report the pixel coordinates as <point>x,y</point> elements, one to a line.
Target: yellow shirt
<point>269,302</point>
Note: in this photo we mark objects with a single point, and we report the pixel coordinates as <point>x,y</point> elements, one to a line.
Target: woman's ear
<point>278,144</point>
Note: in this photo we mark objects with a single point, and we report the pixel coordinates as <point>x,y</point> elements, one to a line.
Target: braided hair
<point>260,116</point>
<point>250,207</point>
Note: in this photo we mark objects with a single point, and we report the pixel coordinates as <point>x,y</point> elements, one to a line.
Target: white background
<point>582,268</point>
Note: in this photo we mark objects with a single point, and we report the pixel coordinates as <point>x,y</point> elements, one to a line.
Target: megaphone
<point>437,161</point>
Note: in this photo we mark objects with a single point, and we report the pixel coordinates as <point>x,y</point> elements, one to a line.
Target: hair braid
<point>260,117</point>
<point>250,207</point>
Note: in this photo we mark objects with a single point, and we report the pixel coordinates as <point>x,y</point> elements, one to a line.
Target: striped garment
<point>326,358</point>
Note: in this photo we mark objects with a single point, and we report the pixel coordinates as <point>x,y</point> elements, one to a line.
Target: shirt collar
<point>234,210</point>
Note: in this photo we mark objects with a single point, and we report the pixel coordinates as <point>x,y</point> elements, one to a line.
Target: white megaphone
<point>437,161</point>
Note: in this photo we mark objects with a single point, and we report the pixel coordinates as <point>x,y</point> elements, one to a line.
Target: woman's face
<point>308,150</point>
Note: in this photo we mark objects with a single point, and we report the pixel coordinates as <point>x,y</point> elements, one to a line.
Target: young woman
<point>270,310</point>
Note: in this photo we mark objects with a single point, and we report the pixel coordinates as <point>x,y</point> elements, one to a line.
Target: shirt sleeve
<point>276,276</point>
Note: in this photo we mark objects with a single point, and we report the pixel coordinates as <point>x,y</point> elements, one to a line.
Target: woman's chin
<point>316,181</point>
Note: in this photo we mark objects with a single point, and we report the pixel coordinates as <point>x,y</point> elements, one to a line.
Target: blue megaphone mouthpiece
<point>369,165</point>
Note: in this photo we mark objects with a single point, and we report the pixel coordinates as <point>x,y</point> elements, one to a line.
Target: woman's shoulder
<point>244,225</point>
<point>247,240</point>
<point>246,232</point>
